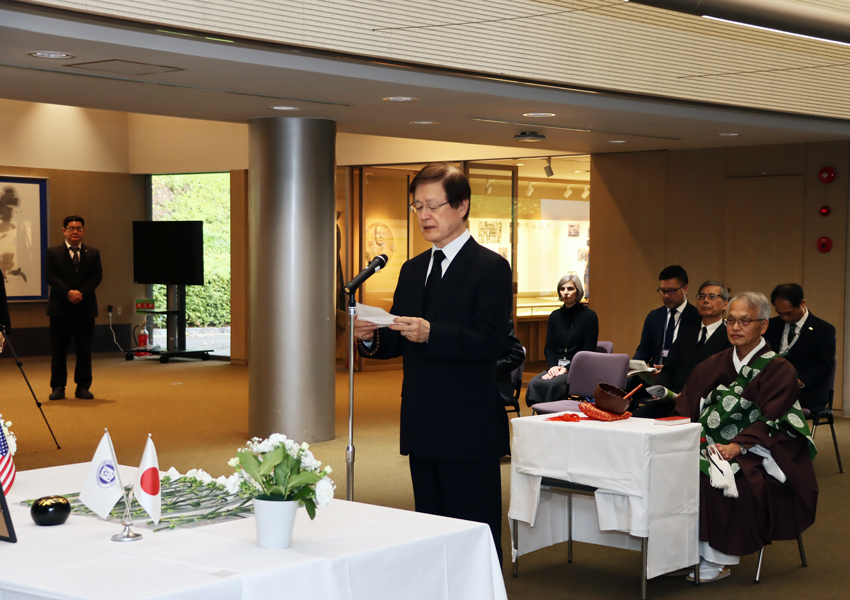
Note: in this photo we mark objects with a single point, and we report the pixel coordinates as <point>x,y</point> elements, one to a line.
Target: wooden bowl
<point>610,398</point>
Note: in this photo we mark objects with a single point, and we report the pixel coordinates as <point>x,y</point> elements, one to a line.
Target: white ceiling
<point>238,81</point>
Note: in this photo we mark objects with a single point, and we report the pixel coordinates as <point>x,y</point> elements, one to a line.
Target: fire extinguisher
<point>143,342</point>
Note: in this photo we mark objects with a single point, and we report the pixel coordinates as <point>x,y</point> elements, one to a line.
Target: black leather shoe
<point>58,394</point>
<point>84,394</point>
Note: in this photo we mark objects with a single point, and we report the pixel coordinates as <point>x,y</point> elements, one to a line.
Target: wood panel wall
<point>747,217</point>
<point>109,202</point>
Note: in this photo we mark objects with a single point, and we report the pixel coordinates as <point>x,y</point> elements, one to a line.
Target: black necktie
<point>792,333</point>
<point>702,337</point>
<point>434,277</point>
<point>671,327</point>
<point>76,258</point>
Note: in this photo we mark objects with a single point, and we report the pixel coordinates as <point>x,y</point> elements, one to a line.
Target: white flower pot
<point>275,519</point>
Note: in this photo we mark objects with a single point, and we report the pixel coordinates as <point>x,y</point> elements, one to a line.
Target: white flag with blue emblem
<point>102,488</point>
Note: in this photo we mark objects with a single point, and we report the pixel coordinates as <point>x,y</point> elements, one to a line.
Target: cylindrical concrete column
<point>292,260</point>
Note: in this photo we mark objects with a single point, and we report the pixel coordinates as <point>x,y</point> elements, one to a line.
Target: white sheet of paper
<point>375,315</point>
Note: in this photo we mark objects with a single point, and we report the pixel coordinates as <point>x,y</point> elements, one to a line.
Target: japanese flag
<point>102,488</point>
<point>146,488</point>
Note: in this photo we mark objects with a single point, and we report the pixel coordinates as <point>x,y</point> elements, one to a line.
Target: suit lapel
<point>418,271</point>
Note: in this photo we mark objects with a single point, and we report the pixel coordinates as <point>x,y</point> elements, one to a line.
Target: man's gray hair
<point>724,293</point>
<point>575,279</point>
<point>756,301</point>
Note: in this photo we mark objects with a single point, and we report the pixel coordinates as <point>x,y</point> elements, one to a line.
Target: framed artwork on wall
<point>23,236</point>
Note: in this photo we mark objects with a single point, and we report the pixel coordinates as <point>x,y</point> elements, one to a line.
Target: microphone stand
<point>21,367</point>
<point>349,450</point>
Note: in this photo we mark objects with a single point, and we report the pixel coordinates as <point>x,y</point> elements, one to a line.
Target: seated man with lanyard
<point>745,398</point>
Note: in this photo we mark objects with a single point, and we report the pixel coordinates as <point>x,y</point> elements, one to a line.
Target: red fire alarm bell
<point>824,244</point>
<point>826,175</point>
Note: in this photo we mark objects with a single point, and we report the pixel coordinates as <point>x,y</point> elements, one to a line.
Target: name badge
<point>664,353</point>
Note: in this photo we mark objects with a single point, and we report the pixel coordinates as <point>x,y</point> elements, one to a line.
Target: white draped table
<point>647,477</point>
<point>350,551</point>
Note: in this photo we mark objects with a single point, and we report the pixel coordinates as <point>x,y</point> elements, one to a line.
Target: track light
<point>569,191</point>
<point>548,168</point>
<point>488,187</point>
<point>586,192</point>
<point>530,189</point>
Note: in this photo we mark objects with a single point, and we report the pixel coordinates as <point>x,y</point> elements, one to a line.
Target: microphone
<point>373,267</point>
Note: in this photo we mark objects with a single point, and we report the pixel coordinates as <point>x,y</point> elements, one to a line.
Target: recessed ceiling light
<point>50,54</point>
<point>576,171</point>
<point>284,108</point>
<point>728,134</point>
<point>540,115</point>
<point>616,141</point>
<point>520,164</point>
<point>400,99</point>
<point>529,136</point>
<point>424,123</point>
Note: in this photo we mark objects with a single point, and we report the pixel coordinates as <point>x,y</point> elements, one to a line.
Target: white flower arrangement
<point>10,437</point>
<point>278,468</point>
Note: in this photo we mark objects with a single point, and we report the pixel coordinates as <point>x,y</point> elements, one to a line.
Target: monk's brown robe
<point>765,510</point>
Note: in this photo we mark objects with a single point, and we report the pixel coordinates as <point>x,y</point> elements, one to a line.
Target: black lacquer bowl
<point>50,510</point>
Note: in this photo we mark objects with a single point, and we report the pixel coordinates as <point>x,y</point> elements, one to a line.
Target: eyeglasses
<point>669,291</point>
<point>745,322</point>
<point>702,296</point>
<point>418,208</point>
<point>74,228</point>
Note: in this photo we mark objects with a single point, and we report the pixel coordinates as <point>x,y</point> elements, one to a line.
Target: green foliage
<point>199,197</point>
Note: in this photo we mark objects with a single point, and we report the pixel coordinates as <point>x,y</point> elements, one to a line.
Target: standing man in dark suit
<point>73,271</point>
<point>693,345</point>
<point>455,307</point>
<point>805,341</point>
<point>662,325</point>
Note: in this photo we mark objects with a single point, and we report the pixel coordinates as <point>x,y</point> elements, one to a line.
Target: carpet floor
<point>197,413</point>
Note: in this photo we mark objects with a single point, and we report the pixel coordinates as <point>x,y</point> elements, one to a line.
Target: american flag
<point>7,464</point>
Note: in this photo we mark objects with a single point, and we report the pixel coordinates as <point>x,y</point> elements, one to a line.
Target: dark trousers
<point>62,331</point>
<point>462,490</point>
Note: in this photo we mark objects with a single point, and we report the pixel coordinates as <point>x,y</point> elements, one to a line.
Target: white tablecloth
<point>350,551</point>
<point>648,480</point>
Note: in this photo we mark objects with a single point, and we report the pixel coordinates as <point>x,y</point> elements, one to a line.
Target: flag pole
<point>127,535</point>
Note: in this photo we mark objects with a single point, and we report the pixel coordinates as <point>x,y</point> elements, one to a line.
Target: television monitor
<point>169,252</point>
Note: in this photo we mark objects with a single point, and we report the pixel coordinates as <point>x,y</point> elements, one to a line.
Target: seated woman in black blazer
<point>572,328</point>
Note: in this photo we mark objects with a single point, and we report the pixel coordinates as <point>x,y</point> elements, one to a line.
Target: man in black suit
<point>662,325</point>
<point>693,345</point>
<point>455,307</point>
<point>510,360</point>
<point>73,271</point>
<point>805,341</point>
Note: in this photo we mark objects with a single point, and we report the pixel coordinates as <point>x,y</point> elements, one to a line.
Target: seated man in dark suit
<point>512,358</point>
<point>693,345</point>
<point>805,341</point>
<point>663,324</point>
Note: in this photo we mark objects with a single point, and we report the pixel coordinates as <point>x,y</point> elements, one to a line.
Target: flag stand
<point>127,535</point>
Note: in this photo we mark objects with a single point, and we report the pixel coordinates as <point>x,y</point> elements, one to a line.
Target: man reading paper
<point>455,307</point>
